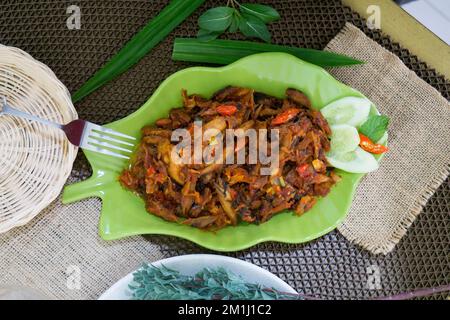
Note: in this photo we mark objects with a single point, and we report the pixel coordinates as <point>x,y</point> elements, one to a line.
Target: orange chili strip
<point>303,170</point>
<point>226,110</point>
<point>370,146</point>
<point>285,116</point>
<point>150,171</point>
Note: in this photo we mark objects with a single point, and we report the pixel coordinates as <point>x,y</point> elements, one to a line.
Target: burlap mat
<point>60,254</point>
<point>388,201</point>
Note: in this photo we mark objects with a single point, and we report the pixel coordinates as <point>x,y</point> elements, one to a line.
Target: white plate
<point>191,264</point>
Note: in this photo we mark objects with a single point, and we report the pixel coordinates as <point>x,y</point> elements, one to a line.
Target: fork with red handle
<point>84,134</point>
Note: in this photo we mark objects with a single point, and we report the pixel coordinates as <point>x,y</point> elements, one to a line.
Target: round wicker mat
<point>35,160</point>
<point>329,266</point>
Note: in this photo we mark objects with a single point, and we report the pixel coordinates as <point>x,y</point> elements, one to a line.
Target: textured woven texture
<point>327,267</point>
<point>61,261</point>
<point>388,201</point>
<point>35,160</point>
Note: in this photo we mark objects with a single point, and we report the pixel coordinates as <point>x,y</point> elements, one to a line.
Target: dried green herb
<point>249,18</point>
<point>162,283</point>
<point>153,283</point>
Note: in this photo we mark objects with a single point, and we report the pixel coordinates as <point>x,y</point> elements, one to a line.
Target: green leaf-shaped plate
<point>123,213</point>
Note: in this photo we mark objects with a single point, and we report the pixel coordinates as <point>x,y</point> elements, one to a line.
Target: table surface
<point>404,29</point>
<point>433,15</point>
<point>327,267</point>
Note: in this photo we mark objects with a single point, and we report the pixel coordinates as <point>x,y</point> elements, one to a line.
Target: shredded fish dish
<point>215,195</point>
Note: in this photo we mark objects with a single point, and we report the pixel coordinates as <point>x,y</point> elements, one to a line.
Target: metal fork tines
<point>107,141</point>
<point>84,134</point>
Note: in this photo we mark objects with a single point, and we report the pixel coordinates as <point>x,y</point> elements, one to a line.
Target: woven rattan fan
<point>35,160</point>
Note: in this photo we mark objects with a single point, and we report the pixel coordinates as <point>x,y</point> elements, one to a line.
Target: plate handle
<point>92,187</point>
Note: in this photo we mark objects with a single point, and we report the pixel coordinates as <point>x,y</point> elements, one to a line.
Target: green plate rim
<point>96,186</point>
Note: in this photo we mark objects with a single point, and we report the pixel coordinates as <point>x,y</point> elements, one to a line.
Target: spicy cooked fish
<point>213,195</point>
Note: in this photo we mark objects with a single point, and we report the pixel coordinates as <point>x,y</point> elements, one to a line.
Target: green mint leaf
<point>253,27</point>
<point>263,12</point>
<point>216,19</point>
<point>206,35</point>
<point>375,127</point>
<point>235,21</point>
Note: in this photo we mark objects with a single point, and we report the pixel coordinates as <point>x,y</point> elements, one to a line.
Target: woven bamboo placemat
<point>329,266</point>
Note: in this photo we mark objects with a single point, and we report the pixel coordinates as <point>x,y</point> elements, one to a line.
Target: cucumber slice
<point>350,110</point>
<point>358,161</point>
<point>344,138</point>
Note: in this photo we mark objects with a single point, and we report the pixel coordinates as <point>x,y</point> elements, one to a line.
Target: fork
<point>84,134</point>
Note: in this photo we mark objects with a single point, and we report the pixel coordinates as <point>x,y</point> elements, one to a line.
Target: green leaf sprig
<point>375,127</point>
<point>248,18</point>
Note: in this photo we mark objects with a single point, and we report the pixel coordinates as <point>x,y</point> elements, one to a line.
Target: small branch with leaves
<point>248,18</point>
